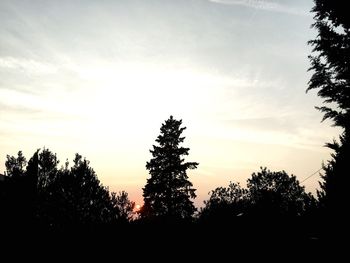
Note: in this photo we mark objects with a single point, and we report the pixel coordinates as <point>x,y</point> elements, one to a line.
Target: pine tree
<point>168,191</point>
<point>331,76</point>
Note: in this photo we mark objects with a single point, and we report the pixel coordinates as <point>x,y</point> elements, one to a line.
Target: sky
<point>100,77</point>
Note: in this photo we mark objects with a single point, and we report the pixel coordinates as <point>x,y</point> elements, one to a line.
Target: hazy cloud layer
<point>99,77</point>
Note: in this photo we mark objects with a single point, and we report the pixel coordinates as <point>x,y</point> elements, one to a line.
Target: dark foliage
<point>42,194</point>
<point>168,192</point>
<point>333,195</point>
<point>277,194</point>
<point>268,194</point>
<point>331,77</point>
<point>330,62</point>
<point>225,203</point>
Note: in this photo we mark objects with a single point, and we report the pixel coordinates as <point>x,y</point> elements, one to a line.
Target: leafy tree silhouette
<point>124,206</point>
<point>15,166</point>
<point>41,193</point>
<point>277,194</point>
<point>16,198</point>
<point>77,196</point>
<point>331,77</point>
<point>225,203</point>
<point>270,194</point>
<point>273,209</point>
<point>168,192</point>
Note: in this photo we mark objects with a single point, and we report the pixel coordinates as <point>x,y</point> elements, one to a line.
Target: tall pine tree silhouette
<point>168,192</point>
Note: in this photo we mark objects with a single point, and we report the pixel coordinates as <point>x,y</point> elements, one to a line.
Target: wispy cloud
<point>16,109</point>
<point>29,66</point>
<point>273,6</point>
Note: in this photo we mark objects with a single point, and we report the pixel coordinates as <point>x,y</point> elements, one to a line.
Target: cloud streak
<point>29,66</point>
<point>272,6</point>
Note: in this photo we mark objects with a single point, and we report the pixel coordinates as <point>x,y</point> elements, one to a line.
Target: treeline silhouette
<point>39,194</point>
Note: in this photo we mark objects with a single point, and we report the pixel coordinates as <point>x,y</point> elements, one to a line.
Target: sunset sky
<point>100,77</point>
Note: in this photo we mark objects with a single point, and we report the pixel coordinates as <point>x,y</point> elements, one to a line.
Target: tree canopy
<point>42,193</point>
<point>168,192</point>
<point>271,194</point>
<point>225,203</point>
<point>331,77</point>
<point>277,193</point>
